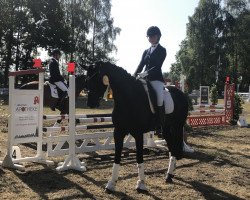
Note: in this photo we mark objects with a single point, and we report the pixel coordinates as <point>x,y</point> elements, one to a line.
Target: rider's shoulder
<point>163,48</point>
<point>52,61</point>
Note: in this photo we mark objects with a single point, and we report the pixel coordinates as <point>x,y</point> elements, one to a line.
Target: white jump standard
<point>71,162</point>
<point>25,120</point>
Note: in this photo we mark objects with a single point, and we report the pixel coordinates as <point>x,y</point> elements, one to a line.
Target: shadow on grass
<point>229,153</point>
<point>1,171</point>
<point>210,131</point>
<point>128,157</point>
<point>45,181</point>
<point>213,159</point>
<point>209,192</point>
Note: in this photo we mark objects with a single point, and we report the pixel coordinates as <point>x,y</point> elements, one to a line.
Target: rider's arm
<point>142,64</point>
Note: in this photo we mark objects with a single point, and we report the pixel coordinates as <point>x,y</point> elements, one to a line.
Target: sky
<point>135,16</point>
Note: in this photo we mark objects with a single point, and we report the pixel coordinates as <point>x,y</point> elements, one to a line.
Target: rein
<point>89,78</point>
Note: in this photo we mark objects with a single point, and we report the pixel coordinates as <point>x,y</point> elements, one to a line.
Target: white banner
<point>26,123</point>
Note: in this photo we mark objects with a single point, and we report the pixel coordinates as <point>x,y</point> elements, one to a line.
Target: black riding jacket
<point>55,74</point>
<point>153,63</point>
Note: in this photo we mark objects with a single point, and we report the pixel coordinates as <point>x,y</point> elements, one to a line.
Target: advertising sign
<point>204,94</point>
<point>26,123</point>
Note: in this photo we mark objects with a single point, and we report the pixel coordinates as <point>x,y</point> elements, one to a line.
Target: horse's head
<point>95,84</point>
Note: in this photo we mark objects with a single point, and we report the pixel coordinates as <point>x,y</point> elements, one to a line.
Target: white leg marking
<point>141,182</point>
<point>115,173</point>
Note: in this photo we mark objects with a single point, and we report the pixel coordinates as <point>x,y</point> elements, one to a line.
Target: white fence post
<point>25,120</point>
<point>72,162</point>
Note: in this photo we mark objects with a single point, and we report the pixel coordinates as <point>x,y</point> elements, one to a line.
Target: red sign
<point>71,67</point>
<point>37,63</point>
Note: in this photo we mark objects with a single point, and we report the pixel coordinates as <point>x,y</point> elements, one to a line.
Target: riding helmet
<point>55,51</point>
<point>153,30</point>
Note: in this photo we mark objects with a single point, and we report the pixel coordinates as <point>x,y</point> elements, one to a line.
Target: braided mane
<point>121,75</point>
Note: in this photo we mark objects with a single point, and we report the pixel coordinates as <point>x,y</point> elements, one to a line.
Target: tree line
<point>217,42</point>
<point>82,29</point>
<point>217,45</point>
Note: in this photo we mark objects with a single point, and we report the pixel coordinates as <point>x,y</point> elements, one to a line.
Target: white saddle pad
<point>53,89</point>
<point>168,101</point>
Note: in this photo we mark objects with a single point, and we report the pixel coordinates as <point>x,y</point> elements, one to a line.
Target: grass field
<point>218,169</point>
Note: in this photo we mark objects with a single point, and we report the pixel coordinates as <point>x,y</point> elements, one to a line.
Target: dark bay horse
<point>132,115</point>
<point>61,104</point>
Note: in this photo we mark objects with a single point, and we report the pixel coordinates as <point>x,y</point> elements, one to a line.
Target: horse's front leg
<point>118,139</point>
<point>140,186</point>
<point>171,168</point>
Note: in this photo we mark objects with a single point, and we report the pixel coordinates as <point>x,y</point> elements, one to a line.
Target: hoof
<point>110,187</point>
<point>108,191</point>
<point>141,191</point>
<point>169,178</point>
<point>141,187</point>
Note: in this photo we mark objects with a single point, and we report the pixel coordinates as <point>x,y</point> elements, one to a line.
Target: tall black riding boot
<point>64,95</point>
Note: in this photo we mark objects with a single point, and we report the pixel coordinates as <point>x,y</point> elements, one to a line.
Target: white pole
<point>40,156</point>
<point>8,162</point>
<point>72,124</point>
<point>72,162</point>
<point>40,119</point>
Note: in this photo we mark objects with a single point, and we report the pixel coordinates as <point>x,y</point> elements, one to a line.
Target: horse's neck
<point>123,86</point>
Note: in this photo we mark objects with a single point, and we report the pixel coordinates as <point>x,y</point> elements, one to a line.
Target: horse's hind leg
<point>118,138</point>
<point>140,186</point>
<point>174,138</point>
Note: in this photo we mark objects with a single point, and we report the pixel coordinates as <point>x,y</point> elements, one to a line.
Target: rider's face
<point>57,56</point>
<point>153,39</point>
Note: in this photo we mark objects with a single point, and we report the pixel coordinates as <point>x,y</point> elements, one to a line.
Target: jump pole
<point>71,161</point>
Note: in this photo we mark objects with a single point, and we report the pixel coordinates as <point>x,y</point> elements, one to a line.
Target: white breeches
<point>62,86</point>
<point>159,88</point>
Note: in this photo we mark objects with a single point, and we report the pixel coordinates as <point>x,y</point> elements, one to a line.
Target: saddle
<point>53,89</point>
<point>167,98</point>
<point>56,93</point>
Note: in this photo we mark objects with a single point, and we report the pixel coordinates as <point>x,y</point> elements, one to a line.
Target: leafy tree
<point>238,40</point>
<point>238,102</point>
<point>214,94</point>
<point>102,30</point>
<point>203,32</point>
<point>49,29</point>
<point>218,40</point>
<point>92,31</point>
<point>28,25</point>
